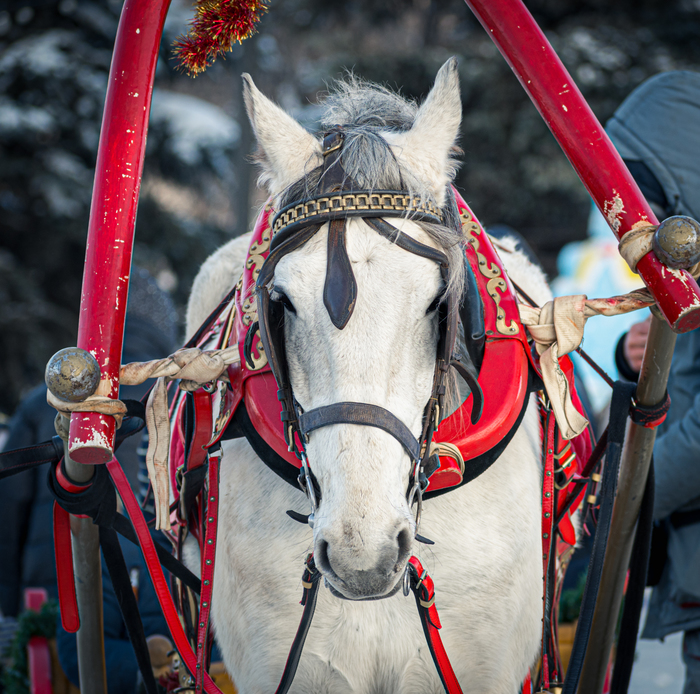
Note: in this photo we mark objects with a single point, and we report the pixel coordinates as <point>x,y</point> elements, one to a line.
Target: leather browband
<point>382,203</point>
<point>361,413</point>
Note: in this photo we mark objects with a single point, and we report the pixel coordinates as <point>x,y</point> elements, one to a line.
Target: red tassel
<point>216,27</point>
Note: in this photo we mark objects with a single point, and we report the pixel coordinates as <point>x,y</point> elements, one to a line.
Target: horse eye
<point>435,303</point>
<point>282,298</point>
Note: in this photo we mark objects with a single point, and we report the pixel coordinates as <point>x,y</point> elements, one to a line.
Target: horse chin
<point>343,591</point>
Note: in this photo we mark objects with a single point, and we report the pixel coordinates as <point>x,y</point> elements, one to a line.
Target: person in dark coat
<point>657,132</point>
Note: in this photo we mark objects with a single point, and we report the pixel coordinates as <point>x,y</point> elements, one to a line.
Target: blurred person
<point>657,132</point>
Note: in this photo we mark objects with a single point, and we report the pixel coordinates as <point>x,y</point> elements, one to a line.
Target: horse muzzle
<point>356,573</point>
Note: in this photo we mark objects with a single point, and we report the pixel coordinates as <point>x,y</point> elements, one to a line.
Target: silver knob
<point>72,374</point>
<point>677,242</point>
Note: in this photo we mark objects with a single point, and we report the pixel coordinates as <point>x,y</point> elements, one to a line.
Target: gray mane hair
<point>365,110</point>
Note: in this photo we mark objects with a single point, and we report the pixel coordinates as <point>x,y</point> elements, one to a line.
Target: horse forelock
<point>366,112</point>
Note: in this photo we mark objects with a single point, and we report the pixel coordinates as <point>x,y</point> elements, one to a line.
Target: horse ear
<point>288,150</point>
<point>426,148</point>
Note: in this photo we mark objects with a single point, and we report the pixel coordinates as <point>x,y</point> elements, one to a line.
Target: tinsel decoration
<point>216,27</point>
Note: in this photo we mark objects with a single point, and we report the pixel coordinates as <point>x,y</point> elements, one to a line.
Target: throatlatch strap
<point>619,409</point>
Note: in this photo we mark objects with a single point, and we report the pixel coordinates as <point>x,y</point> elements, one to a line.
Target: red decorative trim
<point>208,558</point>
<point>202,428</point>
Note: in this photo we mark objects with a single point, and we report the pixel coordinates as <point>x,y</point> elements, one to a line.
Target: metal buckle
<point>310,491</point>
<point>406,581</point>
<point>416,494</point>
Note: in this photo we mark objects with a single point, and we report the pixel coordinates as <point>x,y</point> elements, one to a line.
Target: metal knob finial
<point>72,374</point>
<point>677,242</point>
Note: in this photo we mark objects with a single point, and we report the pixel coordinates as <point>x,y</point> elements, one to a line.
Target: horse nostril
<point>321,555</point>
<point>405,542</point>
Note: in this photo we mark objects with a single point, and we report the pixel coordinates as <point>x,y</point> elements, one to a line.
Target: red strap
<point>424,591</point>
<point>202,414</point>
<point>208,557</point>
<point>156,572</point>
<point>63,549</point>
<point>548,492</point>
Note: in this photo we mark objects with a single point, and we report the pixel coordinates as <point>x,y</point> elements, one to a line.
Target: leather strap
<point>548,661</point>
<point>208,558</point>
<point>650,416</point>
<point>156,572</point>
<point>380,203</point>
<point>340,287</point>
<point>424,592</point>
<point>14,461</point>
<point>311,582</point>
<point>360,413</point>
<point>406,242</point>
<point>128,605</point>
<point>619,409</point>
<point>65,578</point>
<point>634,598</point>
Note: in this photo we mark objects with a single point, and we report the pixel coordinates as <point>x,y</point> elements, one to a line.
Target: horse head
<point>355,311</point>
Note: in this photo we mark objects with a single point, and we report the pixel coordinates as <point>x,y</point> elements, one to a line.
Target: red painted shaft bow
<point>113,214</point>
<point>587,146</point>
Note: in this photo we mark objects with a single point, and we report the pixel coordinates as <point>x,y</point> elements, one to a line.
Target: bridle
<point>334,202</point>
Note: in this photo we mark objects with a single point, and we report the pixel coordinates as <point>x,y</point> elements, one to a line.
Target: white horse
<point>487,557</point>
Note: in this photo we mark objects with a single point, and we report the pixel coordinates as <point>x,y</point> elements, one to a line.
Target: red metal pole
<point>587,146</point>
<point>113,214</point>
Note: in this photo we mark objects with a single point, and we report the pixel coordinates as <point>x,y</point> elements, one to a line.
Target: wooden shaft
<point>634,468</point>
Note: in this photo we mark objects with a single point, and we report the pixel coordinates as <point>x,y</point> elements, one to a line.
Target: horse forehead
<point>305,268</point>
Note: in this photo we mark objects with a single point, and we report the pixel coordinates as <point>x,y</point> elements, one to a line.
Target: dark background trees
<point>199,187</point>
